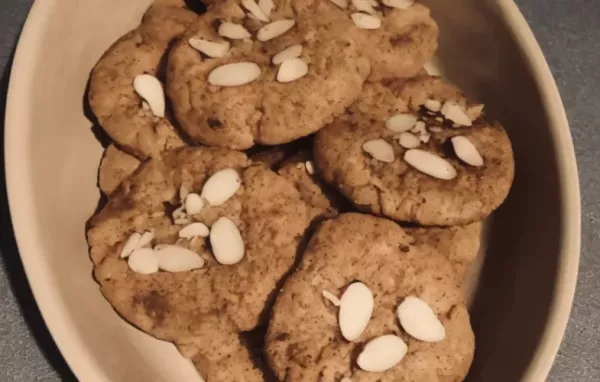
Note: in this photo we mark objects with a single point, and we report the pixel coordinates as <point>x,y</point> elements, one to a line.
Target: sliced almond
<point>380,150</point>
<point>151,90</point>
<point>236,74</point>
<point>287,54</point>
<point>183,193</point>
<point>466,151</point>
<point>292,70</point>
<point>173,258</point>
<point>430,164</point>
<point>221,186</point>
<point>356,307</point>
<point>179,212</point>
<point>274,29</point>
<point>182,221</point>
<point>130,244</point>
<point>194,230</point>
<point>408,140</point>
<point>142,261</point>
<point>401,122</point>
<point>365,21</point>
<point>211,49</point>
<point>433,105</point>
<point>456,114</point>
<point>145,105</point>
<point>233,31</point>
<point>145,239</point>
<point>419,320</point>
<point>399,4</point>
<point>193,204</point>
<point>226,242</point>
<point>332,298</point>
<point>364,6</point>
<point>419,128</point>
<point>340,3</point>
<point>310,168</point>
<point>382,353</point>
<point>424,137</point>
<point>253,8</point>
<point>266,6</point>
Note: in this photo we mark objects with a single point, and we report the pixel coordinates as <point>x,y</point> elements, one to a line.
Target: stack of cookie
<point>288,171</point>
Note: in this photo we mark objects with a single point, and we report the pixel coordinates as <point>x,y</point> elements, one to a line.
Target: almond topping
<point>380,150</point>
<point>274,29</point>
<point>382,353</point>
<point>430,164</point>
<point>356,307</point>
<point>419,320</point>
<point>151,90</point>
<point>211,49</point>
<point>236,74</point>
<point>233,31</point>
<point>466,151</point>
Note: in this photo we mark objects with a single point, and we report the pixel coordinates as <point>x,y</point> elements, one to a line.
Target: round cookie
<point>398,190</point>
<point>266,111</point>
<point>112,96</point>
<point>211,305</point>
<point>459,244</point>
<point>115,167</point>
<point>304,342</point>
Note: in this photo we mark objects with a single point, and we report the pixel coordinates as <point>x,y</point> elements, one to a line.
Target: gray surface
<point>569,33</point>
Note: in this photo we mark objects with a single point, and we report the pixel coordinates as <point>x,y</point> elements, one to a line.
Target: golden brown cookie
<point>112,96</point>
<point>266,111</point>
<point>304,342</point>
<point>191,308</point>
<point>115,167</point>
<point>426,183</point>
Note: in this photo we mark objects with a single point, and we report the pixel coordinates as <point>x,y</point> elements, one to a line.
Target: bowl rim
<point>50,303</point>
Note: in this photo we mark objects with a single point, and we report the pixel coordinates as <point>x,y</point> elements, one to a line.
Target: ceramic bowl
<point>522,294</point>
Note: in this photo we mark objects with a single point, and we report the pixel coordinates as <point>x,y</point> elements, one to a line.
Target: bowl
<point>522,292</point>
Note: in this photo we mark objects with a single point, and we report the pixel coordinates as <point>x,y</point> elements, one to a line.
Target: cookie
<point>304,342</point>
<point>187,307</point>
<point>115,167</point>
<point>459,244</point>
<point>266,111</point>
<point>120,110</point>
<point>388,164</point>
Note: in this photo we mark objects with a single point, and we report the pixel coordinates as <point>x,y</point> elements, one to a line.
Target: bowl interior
<point>58,156</point>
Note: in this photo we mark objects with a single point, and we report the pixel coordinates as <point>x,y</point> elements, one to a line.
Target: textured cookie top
<point>112,95</point>
<point>383,165</point>
<point>176,306</point>
<point>304,342</point>
<point>266,110</point>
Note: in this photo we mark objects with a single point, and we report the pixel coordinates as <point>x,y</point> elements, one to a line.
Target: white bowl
<point>528,278</point>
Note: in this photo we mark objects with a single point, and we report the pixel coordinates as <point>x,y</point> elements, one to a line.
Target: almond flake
<point>182,221</point>
<point>145,105</point>
<point>253,8</point>
<point>419,320</point>
<point>382,353</point>
<point>364,6</point>
<point>356,307</point>
<point>287,54</point>
<point>419,128</point>
<point>221,186</point>
<point>380,150</point>
<point>151,90</point>
<point>340,3</point>
<point>401,122</point>
<point>179,213</point>
<point>399,4</point>
<point>292,70</point>
<point>466,151</point>
<point>142,261</point>
<point>310,168</point>
<point>431,69</point>
<point>236,74</point>
<point>226,242</point>
<point>424,137</point>
<point>331,297</point>
<point>433,105</point>
<point>145,239</point>
<point>211,49</point>
<point>274,29</point>
<point>365,21</point>
<point>130,245</point>
<point>266,6</point>
<point>183,193</point>
<point>194,230</point>
<point>456,114</point>
<point>173,258</point>
<point>233,31</point>
<point>193,204</point>
<point>430,164</point>
<point>408,141</point>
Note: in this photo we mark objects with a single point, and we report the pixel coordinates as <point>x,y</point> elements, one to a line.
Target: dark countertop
<point>569,33</point>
